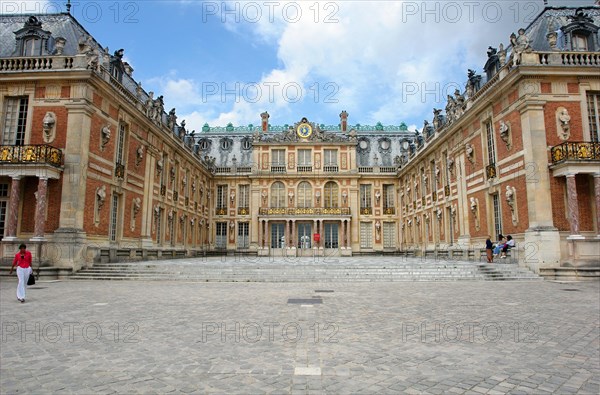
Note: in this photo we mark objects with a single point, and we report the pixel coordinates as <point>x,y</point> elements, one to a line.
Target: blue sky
<point>228,61</point>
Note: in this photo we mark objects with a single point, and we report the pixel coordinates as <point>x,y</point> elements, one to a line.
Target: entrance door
<point>277,236</point>
<point>243,232</point>
<point>331,235</point>
<point>221,239</point>
<point>304,236</point>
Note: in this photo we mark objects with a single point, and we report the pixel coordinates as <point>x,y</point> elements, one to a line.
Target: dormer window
<point>581,33</point>
<point>579,42</point>
<point>32,40</point>
<point>32,46</point>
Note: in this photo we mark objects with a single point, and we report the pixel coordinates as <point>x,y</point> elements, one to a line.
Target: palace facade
<point>93,167</point>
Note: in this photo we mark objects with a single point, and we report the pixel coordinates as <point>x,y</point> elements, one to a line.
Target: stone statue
<point>137,206</point>
<point>428,131</point>
<point>159,166</point>
<point>101,196</point>
<point>473,204</point>
<point>149,105</point>
<point>504,133</point>
<point>291,197</point>
<point>139,155</point>
<point>48,126</point>
<point>438,119</point>
<point>105,136</point>
<point>473,84</point>
<point>459,108</point>
<point>171,120</point>
<point>264,196</point>
<point>510,197</point>
<point>450,109</point>
<point>470,151</point>
<point>501,54</point>
<point>520,45</point>
<point>377,196</point>
<point>159,108</point>
<point>438,214</point>
<point>564,121</point>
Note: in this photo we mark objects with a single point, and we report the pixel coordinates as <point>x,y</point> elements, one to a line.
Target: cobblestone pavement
<point>350,338</point>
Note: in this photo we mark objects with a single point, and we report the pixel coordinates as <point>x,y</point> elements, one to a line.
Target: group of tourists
<point>501,248</point>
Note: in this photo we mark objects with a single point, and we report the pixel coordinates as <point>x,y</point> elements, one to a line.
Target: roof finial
<point>68,6</point>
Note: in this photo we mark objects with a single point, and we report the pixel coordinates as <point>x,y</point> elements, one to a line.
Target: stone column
<point>40,209</point>
<point>314,230</point>
<point>343,226</point>
<point>13,209</point>
<point>260,233</point>
<point>267,238</point>
<point>541,232</point>
<point>597,193</point>
<point>572,204</point>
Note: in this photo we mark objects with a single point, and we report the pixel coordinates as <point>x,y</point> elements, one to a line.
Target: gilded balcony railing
<point>297,211</point>
<point>490,171</point>
<point>389,210</point>
<point>575,151</point>
<point>243,211</point>
<point>220,211</point>
<point>31,154</point>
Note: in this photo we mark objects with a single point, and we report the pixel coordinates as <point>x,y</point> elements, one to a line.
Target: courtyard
<point>311,338</point>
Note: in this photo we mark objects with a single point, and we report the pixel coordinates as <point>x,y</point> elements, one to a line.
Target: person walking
<point>23,262</point>
<point>488,249</point>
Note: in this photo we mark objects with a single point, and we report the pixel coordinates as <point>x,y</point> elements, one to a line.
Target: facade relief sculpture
<point>104,136</point>
<point>505,134</point>
<point>563,120</point>
<point>49,127</point>
<point>511,201</point>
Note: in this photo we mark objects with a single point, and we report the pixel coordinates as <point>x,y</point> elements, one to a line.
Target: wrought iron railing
<point>297,211</point>
<point>243,210</point>
<point>575,151</point>
<point>389,210</point>
<point>366,210</point>
<point>31,154</point>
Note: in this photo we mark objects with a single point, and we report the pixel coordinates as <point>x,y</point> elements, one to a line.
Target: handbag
<point>31,279</point>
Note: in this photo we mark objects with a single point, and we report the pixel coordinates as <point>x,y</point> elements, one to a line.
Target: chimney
<point>344,121</point>
<point>265,121</point>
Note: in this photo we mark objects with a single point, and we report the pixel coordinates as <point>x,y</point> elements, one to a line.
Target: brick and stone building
<point>93,167</point>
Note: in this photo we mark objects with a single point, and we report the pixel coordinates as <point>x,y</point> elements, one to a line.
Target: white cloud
<point>369,60</point>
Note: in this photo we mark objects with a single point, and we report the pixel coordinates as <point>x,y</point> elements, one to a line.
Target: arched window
<point>331,195</point>
<point>278,195</point>
<point>304,198</point>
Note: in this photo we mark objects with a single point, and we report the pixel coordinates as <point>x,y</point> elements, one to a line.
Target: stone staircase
<point>264,269</point>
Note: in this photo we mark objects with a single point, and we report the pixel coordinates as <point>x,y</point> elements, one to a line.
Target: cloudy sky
<point>228,61</point>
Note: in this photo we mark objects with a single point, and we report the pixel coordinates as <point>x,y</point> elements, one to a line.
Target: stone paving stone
<point>174,337</point>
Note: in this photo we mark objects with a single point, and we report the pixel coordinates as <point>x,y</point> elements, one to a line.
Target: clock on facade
<point>304,130</point>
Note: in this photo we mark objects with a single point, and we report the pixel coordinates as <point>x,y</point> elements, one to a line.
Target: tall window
<point>497,215</point>
<point>121,144</point>
<point>434,180</point>
<point>388,196</point>
<point>278,157</point>
<point>278,195</point>
<point>15,120</point>
<point>366,235</point>
<point>330,157</point>
<point>278,235</point>
<point>593,104</point>
<point>304,198</point>
<point>244,196</point>
<point>331,195</point>
<point>304,157</point>
<point>491,146</point>
<point>114,218</point>
<point>365,196</point>
<point>221,196</point>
